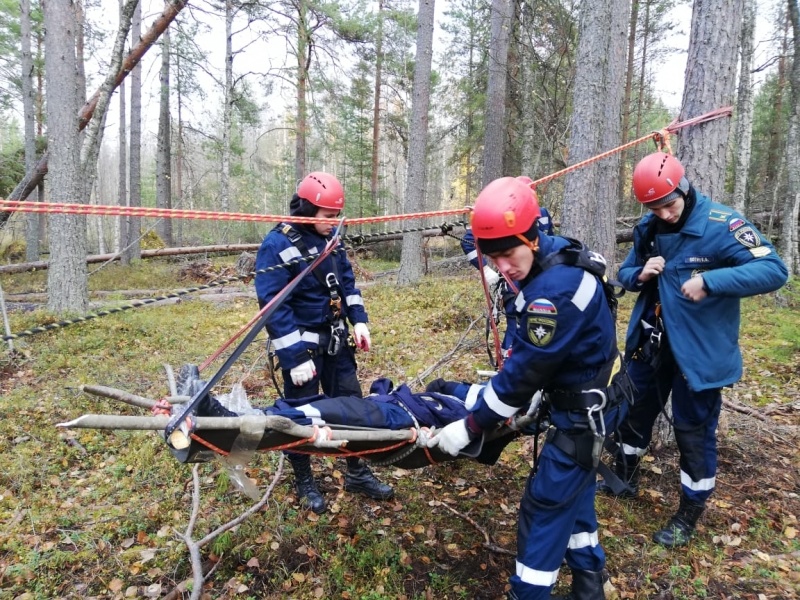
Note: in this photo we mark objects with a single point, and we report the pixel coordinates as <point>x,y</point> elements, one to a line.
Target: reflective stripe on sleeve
<point>472,395</point>
<point>287,340</point>
<point>311,337</point>
<point>354,300</point>
<point>498,406</point>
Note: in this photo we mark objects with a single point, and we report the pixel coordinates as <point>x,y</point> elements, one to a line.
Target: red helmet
<point>322,189</point>
<point>506,207</point>
<point>657,176</point>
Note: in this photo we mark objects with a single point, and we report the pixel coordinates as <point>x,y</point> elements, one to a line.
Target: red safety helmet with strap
<point>659,178</point>
<point>322,189</point>
<point>506,208</point>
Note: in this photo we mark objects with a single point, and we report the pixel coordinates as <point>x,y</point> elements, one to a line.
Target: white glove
<point>491,276</point>
<point>453,438</point>
<point>361,334</point>
<point>303,373</point>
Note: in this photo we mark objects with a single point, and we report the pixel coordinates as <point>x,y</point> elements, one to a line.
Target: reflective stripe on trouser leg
<point>696,417</point>
<point>545,536</point>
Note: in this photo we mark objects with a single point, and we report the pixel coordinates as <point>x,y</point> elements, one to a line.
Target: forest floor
<point>88,513</point>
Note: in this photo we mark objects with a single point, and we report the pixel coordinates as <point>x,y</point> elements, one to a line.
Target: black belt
<point>621,388</point>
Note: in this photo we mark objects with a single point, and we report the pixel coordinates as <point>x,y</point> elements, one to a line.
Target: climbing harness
<point>182,419</point>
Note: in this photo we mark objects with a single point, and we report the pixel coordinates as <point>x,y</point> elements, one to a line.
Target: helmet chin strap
<point>533,245</point>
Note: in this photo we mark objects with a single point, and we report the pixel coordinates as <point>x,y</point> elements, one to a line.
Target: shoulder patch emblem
<point>542,306</point>
<point>541,330</point>
<point>718,215</point>
<point>760,251</point>
<point>747,237</point>
<point>735,224</point>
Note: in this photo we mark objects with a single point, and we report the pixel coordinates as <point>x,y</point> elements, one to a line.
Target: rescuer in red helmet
<point>563,342</point>
<point>310,329</point>
<point>691,262</point>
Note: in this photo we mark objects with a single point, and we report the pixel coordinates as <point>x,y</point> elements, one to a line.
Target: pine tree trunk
<point>590,195</point>
<point>411,259</point>
<point>67,276</point>
<point>744,110</point>
<point>791,211</point>
<point>710,84</point>
<point>495,121</point>
<point>32,232</point>
<point>164,145</point>
<point>133,250</point>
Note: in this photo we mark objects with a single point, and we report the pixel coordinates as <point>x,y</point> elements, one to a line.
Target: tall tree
<point>463,95</point>
<point>791,211</point>
<point>710,84</point>
<point>376,106</point>
<point>29,119</point>
<point>590,196</point>
<point>131,245</point>
<point>67,274</point>
<point>495,122</point>
<point>411,260</point>
<point>164,144</point>
<point>744,109</point>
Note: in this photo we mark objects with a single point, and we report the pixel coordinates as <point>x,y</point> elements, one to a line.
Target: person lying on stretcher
<point>390,407</point>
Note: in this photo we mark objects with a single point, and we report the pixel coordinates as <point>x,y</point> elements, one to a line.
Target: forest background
<point>238,101</point>
<point>411,118</point>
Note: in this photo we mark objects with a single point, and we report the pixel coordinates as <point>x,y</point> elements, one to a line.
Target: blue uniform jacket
<point>294,325</point>
<point>563,338</point>
<point>735,260</point>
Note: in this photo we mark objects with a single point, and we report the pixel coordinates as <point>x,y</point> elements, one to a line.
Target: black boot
<point>586,585</point>
<point>681,526</point>
<point>304,484</point>
<point>360,479</point>
<point>628,473</point>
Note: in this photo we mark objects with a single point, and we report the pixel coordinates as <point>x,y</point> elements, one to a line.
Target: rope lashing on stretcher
<point>321,437</point>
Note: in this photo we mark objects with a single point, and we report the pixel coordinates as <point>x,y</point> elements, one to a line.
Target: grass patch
<point>85,509</point>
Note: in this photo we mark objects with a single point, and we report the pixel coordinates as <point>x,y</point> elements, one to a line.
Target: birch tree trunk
<point>590,193</point>
<point>495,122</point>
<point>411,263</point>
<point>164,145</point>
<point>709,84</point>
<point>791,211</point>
<point>744,110</point>
<point>28,110</point>
<point>67,275</point>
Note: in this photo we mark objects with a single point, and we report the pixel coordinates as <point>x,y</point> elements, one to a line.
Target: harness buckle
<point>598,436</point>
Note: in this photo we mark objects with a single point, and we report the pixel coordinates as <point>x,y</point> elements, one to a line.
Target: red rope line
<point>662,135</point>
<point>207,215</point>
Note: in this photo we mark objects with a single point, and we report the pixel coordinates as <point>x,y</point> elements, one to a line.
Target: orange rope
<point>662,135</point>
<point>174,213</point>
